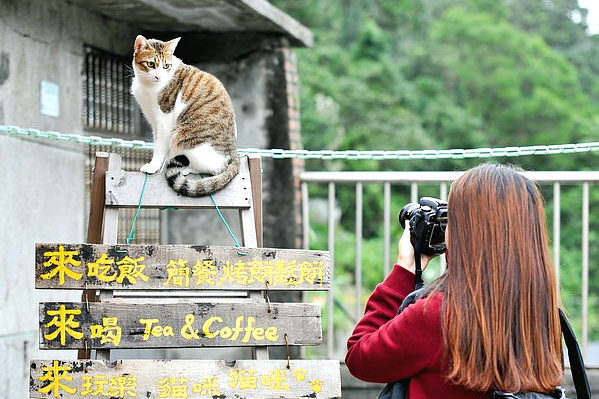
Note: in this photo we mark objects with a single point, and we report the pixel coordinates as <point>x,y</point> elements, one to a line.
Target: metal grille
<point>108,105</point>
<point>147,226</point>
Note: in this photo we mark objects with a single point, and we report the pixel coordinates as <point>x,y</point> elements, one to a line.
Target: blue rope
<point>131,235</point>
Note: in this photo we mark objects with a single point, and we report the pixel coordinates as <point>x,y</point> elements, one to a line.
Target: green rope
<point>222,218</point>
<point>131,235</point>
<point>326,154</point>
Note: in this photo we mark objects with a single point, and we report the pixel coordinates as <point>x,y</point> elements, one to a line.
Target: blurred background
<point>441,74</point>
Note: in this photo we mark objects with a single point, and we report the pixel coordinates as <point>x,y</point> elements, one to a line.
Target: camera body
<point>428,221</point>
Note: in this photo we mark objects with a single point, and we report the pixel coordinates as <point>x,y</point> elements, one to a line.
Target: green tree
<point>434,74</point>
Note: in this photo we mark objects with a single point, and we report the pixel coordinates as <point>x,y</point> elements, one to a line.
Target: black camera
<point>428,221</point>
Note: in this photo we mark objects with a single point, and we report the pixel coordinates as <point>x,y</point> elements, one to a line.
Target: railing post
<point>305,217</point>
<point>556,231</point>
<point>585,267</point>
<point>386,227</point>
<point>331,297</point>
<point>414,192</point>
<point>358,270</point>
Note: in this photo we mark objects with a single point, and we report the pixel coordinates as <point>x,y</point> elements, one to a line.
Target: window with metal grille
<point>108,106</point>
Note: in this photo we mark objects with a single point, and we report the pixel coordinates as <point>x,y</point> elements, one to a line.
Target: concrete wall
<point>43,197</point>
<point>43,189</point>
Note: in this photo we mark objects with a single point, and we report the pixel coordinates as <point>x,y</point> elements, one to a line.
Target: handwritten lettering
<point>233,333</point>
<point>59,380</point>
<point>64,325</point>
<point>54,375</point>
<point>116,386</point>
<point>185,272</point>
<point>155,330</point>
<point>60,260</point>
<point>108,331</point>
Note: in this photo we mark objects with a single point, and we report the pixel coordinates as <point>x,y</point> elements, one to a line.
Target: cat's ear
<point>140,43</point>
<point>172,44</point>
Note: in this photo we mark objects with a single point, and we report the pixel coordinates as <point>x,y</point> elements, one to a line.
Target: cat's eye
<point>167,66</point>
<point>150,64</point>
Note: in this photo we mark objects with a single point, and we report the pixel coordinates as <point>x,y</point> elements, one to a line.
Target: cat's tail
<point>199,187</point>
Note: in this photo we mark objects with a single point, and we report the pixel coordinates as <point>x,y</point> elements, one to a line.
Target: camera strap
<point>579,375</point>
<point>418,281</point>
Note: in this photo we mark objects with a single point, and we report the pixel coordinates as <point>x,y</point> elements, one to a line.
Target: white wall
<point>42,200</point>
<point>42,184</point>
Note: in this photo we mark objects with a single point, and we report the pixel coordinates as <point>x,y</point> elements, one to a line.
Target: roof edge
<point>300,35</point>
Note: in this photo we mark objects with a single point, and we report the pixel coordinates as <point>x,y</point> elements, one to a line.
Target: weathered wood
<point>110,325</point>
<point>110,229</point>
<point>123,190</point>
<point>180,267</point>
<point>255,166</point>
<point>98,189</point>
<point>185,379</point>
<point>96,216</point>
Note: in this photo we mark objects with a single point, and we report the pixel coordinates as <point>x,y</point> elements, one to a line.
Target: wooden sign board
<point>123,189</point>
<point>108,325</point>
<point>185,379</point>
<point>180,267</point>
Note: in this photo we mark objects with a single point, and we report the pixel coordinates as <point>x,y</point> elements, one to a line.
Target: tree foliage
<point>440,74</point>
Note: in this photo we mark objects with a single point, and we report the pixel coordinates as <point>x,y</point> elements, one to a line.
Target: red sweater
<point>386,347</point>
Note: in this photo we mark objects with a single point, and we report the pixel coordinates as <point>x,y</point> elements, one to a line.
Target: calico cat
<point>192,119</point>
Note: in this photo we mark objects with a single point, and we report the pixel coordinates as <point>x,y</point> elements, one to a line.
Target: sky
<point>593,17</point>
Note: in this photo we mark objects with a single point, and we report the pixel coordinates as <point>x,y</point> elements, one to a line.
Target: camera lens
<point>406,213</point>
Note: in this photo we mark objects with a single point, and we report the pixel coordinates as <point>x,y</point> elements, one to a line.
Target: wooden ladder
<point>113,189</point>
<point>134,300</point>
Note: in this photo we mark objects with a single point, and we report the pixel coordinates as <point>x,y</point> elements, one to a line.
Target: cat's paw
<point>150,168</point>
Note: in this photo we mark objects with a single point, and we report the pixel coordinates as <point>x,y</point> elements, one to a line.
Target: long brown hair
<point>501,326</point>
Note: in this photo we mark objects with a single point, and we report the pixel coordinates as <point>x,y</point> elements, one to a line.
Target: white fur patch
<point>146,93</point>
<point>205,159</point>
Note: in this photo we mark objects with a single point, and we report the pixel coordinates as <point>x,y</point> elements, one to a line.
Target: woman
<point>491,321</point>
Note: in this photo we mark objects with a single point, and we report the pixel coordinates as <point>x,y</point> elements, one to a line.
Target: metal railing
<point>553,180</point>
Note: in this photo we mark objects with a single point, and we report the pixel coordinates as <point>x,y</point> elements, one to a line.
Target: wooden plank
<point>179,267</point>
<point>96,217</point>
<point>110,229</point>
<point>110,325</point>
<point>104,230</point>
<point>96,208</point>
<point>124,188</point>
<point>255,166</point>
<point>185,379</point>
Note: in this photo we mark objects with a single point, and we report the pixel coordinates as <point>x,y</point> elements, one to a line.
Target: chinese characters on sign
<point>59,262</point>
<point>184,268</point>
<point>186,379</point>
<point>120,325</point>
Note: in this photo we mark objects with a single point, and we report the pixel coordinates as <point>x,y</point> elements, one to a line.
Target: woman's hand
<point>405,256</point>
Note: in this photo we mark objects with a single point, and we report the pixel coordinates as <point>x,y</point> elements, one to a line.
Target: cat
<point>192,118</point>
